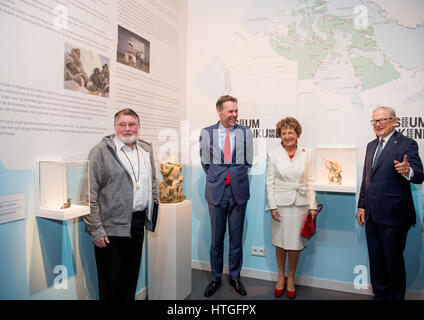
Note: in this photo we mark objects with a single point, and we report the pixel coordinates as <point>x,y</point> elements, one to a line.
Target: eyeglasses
<point>131,125</point>
<point>380,121</point>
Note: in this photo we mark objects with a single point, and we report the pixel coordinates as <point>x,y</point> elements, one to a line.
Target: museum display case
<point>63,189</point>
<point>336,169</point>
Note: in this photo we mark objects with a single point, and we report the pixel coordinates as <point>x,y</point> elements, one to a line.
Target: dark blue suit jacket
<point>212,159</point>
<point>386,194</point>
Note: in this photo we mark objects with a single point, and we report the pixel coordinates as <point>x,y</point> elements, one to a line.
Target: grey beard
<point>129,140</point>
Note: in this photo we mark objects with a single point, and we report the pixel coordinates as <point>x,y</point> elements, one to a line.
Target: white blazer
<point>290,181</point>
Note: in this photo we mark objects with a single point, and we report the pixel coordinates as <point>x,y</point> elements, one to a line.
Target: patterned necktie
<point>227,154</point>
<point>379,149</point>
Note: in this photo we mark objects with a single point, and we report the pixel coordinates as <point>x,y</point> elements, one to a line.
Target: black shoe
<point>212,287</point>
<point>238,286</point>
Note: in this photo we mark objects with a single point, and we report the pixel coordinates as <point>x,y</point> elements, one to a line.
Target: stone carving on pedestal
<point>170,190</point>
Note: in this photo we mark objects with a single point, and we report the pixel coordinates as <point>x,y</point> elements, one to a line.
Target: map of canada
<point>360,50</point>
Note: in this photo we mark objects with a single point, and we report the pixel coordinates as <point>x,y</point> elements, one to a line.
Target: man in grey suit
<point>226,151</point>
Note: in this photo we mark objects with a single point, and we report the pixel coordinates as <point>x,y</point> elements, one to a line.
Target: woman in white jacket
<point>291,196</point>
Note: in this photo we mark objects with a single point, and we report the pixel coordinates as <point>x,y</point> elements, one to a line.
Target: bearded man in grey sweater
<point>123,201</point>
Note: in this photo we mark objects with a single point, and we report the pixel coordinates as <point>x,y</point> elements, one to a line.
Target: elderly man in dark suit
<point>226,151</point>
<point>385,203</point>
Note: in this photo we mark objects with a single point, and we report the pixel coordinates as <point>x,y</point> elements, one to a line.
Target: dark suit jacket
<point>386,194</point>
<point>212,159</point>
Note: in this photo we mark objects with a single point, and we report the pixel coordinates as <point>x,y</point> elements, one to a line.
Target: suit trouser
<point>229,210</point>
<point>387,265</point>
<point>118,264</point>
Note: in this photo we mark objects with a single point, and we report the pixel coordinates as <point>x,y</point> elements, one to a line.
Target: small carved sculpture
<point>170,189</point>
<point>67,204</point>
<point>334,176</point>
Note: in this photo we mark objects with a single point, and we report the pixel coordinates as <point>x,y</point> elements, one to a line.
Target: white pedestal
<point>169,253</point>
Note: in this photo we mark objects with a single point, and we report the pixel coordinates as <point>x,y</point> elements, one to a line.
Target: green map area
<point>372,75</point>
<point>314,38</point>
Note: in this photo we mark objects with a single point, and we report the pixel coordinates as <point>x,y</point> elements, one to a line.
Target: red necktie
<point>227,154</point>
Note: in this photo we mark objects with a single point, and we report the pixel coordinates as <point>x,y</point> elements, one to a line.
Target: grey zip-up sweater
<point>112,191</point>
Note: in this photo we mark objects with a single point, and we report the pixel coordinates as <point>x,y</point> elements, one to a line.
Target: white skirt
<point>286,233</point>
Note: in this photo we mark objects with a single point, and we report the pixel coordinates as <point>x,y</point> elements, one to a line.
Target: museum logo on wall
<point>257,131</point>
<point>412,127</point>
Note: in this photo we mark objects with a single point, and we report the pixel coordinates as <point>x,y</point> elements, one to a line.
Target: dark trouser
<point>385,249</point>
<point>235,213</point>
<point>118,264</point>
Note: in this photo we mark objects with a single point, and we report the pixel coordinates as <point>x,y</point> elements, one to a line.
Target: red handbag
<point>309,227</point>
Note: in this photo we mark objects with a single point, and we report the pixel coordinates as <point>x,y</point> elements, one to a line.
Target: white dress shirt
<point>130,160</point>
<point>222,133</point>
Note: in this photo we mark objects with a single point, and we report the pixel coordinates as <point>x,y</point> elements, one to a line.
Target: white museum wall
<point>44,117</point>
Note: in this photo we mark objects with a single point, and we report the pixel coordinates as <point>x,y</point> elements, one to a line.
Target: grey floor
<point>261,290</point>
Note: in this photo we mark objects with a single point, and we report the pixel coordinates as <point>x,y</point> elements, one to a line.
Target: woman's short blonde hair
<point>288,122</point>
